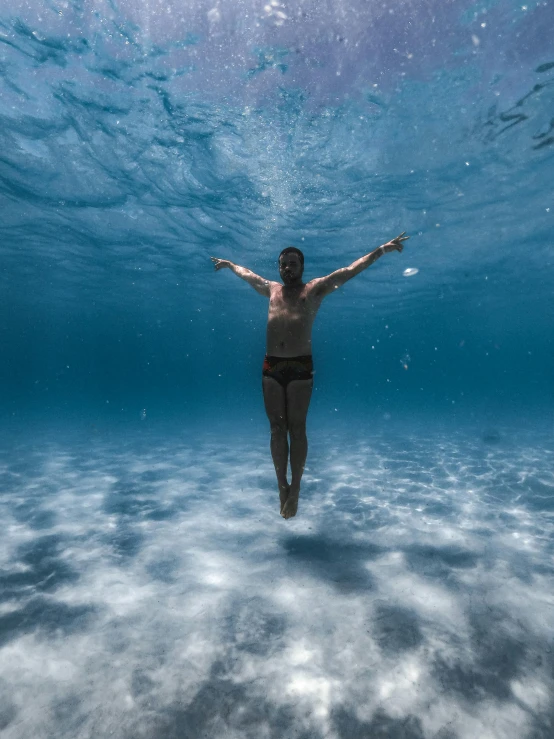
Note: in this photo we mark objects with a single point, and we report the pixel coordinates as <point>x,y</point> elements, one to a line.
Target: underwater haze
<point>148,586</point>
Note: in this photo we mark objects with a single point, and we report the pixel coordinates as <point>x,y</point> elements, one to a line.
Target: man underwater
<point>287,374</point>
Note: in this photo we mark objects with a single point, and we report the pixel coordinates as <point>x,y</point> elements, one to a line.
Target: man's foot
<point>284,491</point>
<point>290,506</point>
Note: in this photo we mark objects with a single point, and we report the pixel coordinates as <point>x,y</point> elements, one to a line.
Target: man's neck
<point>293,285</point>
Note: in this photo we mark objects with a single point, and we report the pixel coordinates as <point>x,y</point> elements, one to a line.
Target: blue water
<point>148,586</point>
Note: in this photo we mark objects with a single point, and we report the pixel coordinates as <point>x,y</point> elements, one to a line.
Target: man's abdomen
<point>290,339</point>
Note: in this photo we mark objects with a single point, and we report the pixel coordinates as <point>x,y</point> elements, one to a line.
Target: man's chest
<point>292,304</point>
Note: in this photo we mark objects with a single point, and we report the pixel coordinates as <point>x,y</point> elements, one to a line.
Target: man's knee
<point>278,427</point>
<point>297,429</point>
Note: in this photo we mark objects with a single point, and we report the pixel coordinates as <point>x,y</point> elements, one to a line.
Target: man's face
<point>290,268</point>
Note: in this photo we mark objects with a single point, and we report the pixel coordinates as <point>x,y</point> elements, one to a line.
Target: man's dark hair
<point>295,250</point>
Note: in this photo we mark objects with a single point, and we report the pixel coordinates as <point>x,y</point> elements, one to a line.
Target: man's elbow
<point>343,275</point>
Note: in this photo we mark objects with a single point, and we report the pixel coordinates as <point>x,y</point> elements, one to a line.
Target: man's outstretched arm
<point>326,285</point>
<point>259,284</point>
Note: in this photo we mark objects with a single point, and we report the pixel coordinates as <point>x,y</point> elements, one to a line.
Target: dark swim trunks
<point>286,369</point>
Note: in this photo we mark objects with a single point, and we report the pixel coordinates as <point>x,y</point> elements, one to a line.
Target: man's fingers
<point>399,239</point>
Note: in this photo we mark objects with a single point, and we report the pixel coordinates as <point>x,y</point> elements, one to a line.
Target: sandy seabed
<point>149,589</point>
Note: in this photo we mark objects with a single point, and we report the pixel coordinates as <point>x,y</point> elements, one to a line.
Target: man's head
<point>291,265</point>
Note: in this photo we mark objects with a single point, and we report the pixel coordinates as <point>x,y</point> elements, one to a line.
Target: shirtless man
<point>287,370</point>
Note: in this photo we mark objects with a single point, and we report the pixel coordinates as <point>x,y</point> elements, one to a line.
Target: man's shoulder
<point>315,287</point>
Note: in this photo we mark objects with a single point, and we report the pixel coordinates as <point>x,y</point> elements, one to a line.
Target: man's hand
<point>394,244</point>
<point>258,283</point>
<point>220,263</point>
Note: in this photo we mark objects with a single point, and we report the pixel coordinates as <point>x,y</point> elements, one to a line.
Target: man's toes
<point>290,508</point>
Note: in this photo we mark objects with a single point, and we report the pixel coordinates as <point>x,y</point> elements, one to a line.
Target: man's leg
<point>299,393</point>
<point>276,409</point>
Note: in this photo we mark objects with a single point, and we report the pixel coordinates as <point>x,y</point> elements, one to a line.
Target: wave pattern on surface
<point>119,150</point>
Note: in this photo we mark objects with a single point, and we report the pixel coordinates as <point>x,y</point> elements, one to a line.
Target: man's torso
<point>291,315</point>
